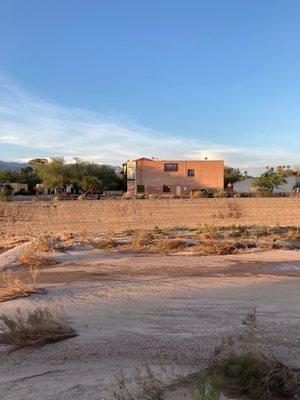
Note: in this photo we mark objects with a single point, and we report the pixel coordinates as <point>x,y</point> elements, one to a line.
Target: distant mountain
<point>12,165</point>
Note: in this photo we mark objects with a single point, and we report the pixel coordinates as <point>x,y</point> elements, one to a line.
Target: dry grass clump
<point>209,232</point>
<point>143,239</point>
<point>292,234</point>
<point>33,258</point>
<point>106,243</point>
<point>48,244</point>
<point>12,287</point>
<point>34,328</point>
<point>211,247</point>
<point>147,385</point>
<point>167,245</point>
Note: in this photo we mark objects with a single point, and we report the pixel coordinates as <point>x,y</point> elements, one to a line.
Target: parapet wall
<point>117,215</point>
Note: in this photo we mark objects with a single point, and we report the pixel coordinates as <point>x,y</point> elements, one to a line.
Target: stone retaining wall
<point>117,215</point>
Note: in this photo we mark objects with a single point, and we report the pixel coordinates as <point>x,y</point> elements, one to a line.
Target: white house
<point>247,185</point>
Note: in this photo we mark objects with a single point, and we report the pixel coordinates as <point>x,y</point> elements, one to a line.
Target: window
<point>169,167</point>
<point>166,188</point>
<point>140,188</point>
<point>190,172</point>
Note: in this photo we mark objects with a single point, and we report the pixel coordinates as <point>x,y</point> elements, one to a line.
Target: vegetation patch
<point>142,239</point>
<point>11,287</point>
<point>34,328</point>
<point>167,245</point>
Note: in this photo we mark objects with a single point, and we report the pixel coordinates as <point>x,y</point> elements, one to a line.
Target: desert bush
<point>66,236</point>
<point>34,328</point>
<point>12,287</point>
<point>106,243</point>
<point>142,239</point>
<point>33,258</point>
<point>147,385</point>
<point>209,390</point>
<point>198,194</point>
<point>167,245</point>
<point>83,236</point>
<point>249,360</point>
<point>220,193</point>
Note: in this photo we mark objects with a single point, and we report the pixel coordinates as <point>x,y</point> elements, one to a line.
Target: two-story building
<point>179,177</point>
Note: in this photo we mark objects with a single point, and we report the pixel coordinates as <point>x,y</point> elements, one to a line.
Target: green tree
<point>54,174</point>
<point>271,179</point>
<point>231,175</point>
<point>91,184</point>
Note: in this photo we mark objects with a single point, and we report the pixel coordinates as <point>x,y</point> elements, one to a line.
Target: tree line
<point>57,174</point>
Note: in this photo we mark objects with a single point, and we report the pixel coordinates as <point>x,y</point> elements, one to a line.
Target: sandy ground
<point>130,309</point>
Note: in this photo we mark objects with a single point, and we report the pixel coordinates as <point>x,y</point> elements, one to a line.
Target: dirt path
<point>129,309</point>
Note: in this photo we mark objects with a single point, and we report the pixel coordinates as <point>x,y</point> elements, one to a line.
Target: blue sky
<point>112,80</point>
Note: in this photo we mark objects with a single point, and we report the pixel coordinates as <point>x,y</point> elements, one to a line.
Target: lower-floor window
<point>166,188</point>
<point>140,188</point>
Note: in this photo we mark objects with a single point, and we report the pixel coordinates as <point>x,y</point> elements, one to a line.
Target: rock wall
<point>117,215</point>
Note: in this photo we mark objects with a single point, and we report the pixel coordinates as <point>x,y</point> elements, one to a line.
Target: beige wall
<point>208,174</point>
<point>105,215</point>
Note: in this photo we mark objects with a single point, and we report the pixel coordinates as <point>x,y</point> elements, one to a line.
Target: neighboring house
<point>16,187</point>
<point>247,185</point>
<point>244,186</point>
<point>147,176</point>
<point>288,187</point>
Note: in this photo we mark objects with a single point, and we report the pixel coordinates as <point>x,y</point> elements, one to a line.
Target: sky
<point>111,80</point>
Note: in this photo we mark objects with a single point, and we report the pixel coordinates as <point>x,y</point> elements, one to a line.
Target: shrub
<point>34,328</point>
<point>167,245</point>
<point>32,258</point>
<point>12,287</point>
<point>143,239</point>
<point>220,193</point>
<point>198,194</point>
<point>106,243</point>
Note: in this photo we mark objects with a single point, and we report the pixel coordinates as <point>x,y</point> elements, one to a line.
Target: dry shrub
<point>147,385</point>
<point>48,244</point>
<point>106,243</point>
<point>211,247</point>
<point>142,239</point>
<point>66,236</point>
<point>83,236</point>
<point>34,328</point>
<point>167,245</point>
<point>12,287</point>
<point>33,258</point>
<point>292,234</point>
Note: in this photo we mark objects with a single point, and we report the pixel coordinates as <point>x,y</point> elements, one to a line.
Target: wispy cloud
<point>29,122</point>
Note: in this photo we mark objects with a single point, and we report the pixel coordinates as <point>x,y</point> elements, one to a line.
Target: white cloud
<point>32,123</point>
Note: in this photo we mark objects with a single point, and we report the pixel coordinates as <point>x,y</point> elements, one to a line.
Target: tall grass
<point>34,328</point>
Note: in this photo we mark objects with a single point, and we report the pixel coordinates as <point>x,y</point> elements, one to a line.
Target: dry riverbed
<point>133,308</point>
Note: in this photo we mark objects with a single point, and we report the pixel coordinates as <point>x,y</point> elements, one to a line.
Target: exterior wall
<point>288,187</point>
<point>246,185</point>
<point>151,174</point>
<point>118,215</point>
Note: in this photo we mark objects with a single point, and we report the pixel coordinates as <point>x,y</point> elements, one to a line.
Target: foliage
<point>220,193</point>
<point>232,175</point>
<point>209,390</point>
<point>271,179</point>
<point>91,184</point>
<point>24,175</point>
<point>57,174</point>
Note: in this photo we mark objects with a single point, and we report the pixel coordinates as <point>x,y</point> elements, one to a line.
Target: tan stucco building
<point>147,176</point>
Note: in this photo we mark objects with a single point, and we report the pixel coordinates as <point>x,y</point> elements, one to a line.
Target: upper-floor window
<point>170,167</point>
<point>190,172</point>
